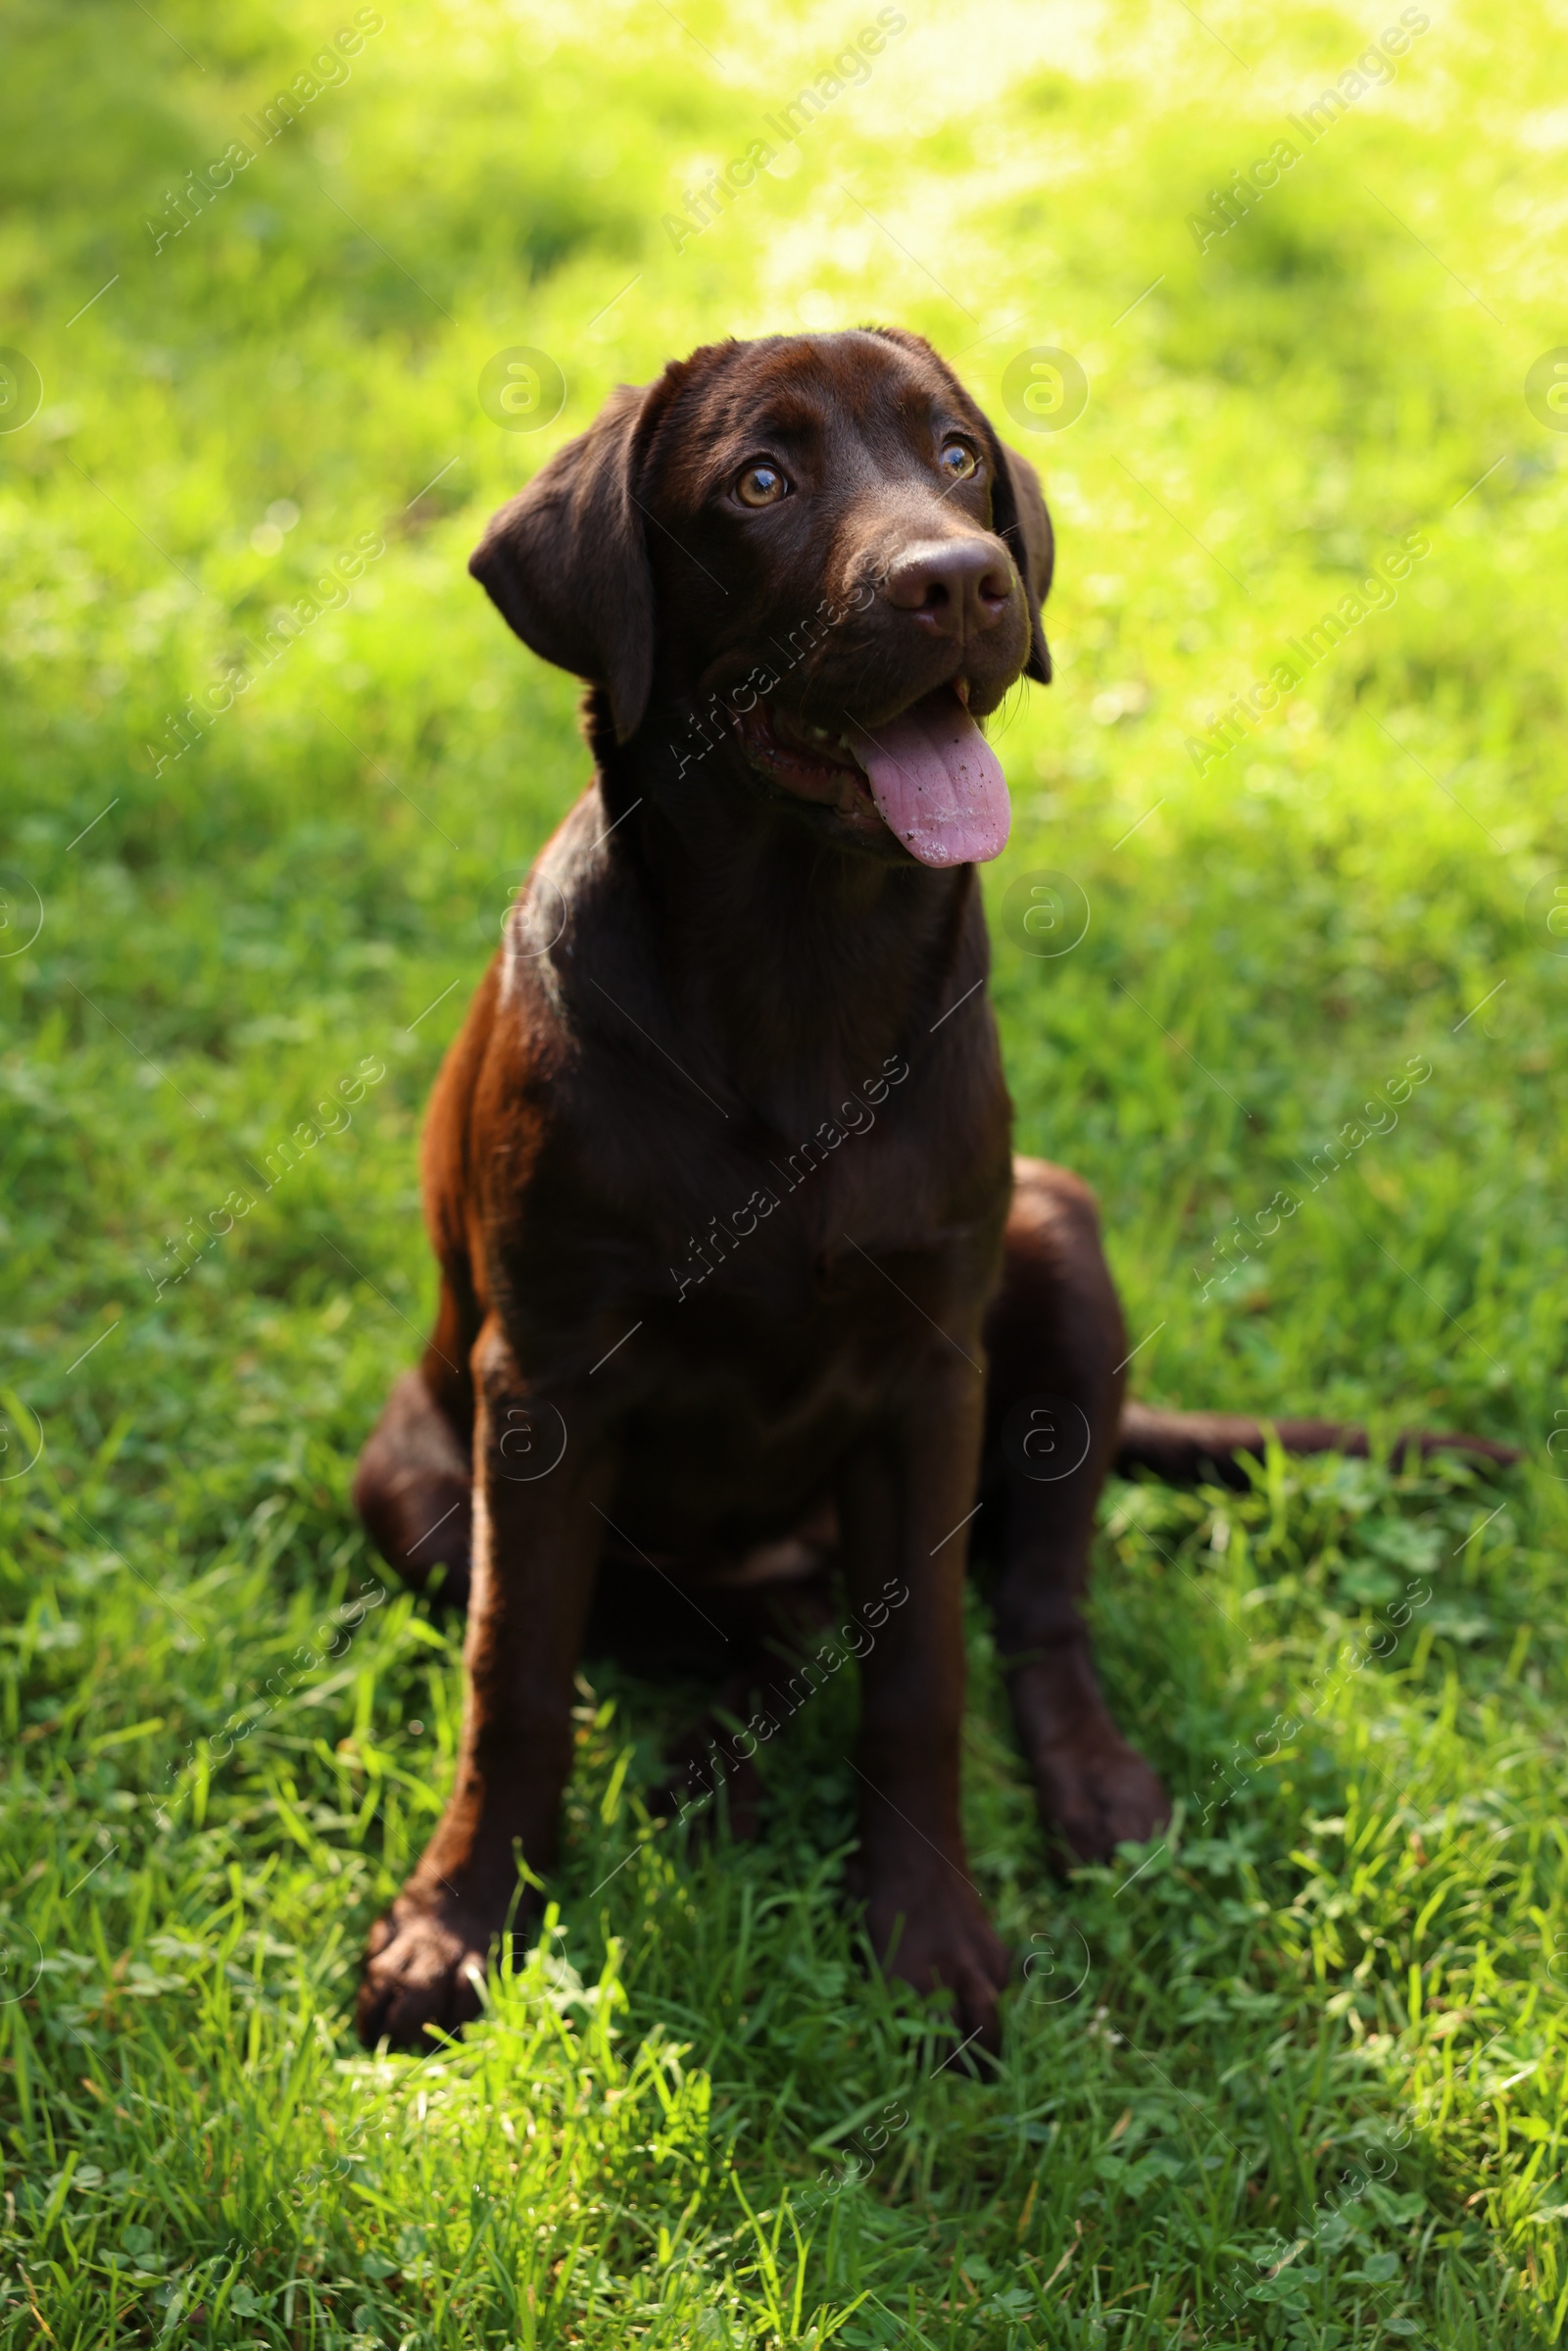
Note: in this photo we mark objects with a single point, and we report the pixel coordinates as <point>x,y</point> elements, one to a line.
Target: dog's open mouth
<point>928,776</point>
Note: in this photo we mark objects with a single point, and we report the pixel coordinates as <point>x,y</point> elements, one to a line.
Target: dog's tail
<point>1191,1448</point>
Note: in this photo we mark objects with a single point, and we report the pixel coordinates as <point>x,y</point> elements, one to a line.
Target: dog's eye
<point>761,485</point>
<point>958,459</point>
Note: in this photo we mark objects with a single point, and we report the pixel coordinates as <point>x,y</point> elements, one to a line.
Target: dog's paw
<point>940,1939</point>
<point>422,1967</point>
<point>1096,1793</point>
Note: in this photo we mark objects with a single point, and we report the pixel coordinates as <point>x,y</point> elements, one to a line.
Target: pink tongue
<point>937,783</point>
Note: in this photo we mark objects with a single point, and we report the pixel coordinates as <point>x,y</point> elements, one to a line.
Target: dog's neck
<point>803,967</point>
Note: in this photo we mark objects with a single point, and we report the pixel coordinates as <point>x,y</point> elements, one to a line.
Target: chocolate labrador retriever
<point>740,1280</point>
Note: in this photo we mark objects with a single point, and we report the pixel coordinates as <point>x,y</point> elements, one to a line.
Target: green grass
<point>1300,2078</point>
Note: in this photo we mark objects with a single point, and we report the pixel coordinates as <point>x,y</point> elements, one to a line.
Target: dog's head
<point>811,552</point>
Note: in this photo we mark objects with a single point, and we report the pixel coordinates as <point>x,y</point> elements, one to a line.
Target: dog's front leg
<point>906,1497</point>
<point>539,1469</point>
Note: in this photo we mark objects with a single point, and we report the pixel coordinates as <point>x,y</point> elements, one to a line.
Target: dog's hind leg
<point>1054,1342</point>
<point>414,1485</point>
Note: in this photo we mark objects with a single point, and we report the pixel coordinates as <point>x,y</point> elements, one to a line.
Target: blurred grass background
<point>1301,2080</point>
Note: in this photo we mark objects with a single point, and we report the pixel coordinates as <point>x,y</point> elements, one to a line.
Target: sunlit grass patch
<point>1292,2076</point>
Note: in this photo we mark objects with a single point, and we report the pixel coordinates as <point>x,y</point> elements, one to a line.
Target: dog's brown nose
<point>954,587</point>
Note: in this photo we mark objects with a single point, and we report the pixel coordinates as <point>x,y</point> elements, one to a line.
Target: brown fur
<point>707,969</point>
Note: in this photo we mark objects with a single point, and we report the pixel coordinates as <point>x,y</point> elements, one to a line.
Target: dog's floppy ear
<point>1019,516</point>
<point>566,563</point>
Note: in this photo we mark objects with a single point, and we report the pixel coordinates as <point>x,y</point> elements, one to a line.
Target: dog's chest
<point>795,1299</point>
<point>772,1353</point>
<point>798,1197</point>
